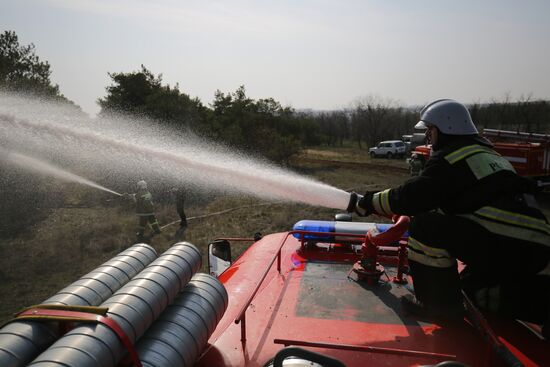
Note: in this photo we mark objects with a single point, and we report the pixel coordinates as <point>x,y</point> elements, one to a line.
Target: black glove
<point>353,198</point>
<point>364,205</point>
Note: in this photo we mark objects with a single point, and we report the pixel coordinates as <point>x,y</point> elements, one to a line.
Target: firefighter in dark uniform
<point>469,204</point>
<point>144,210</point>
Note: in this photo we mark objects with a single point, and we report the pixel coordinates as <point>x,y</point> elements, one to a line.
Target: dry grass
<point>88,231</point>
<point>71,242</point>
<point>350,154</point>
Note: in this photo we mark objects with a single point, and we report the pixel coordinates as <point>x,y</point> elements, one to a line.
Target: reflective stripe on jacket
<point>427,255</point>
<point>512,225</point>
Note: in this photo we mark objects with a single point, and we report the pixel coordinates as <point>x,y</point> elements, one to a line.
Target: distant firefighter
<point>145,210</point>
<point>179,196</point>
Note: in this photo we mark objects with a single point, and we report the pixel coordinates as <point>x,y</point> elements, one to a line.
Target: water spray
<point>122,149</point>
<point>41,167</point>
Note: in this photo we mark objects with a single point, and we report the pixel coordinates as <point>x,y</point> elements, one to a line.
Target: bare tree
<point>525,110</point>
<point>372,115</point>
<point>502,111</point>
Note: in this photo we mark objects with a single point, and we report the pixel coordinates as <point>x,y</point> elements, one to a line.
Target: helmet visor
<point>421,125</point>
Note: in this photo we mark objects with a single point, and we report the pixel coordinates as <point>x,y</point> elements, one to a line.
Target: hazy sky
<point>320,54</point>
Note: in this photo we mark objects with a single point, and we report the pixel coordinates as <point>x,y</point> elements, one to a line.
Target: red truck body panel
<point>312,303</point>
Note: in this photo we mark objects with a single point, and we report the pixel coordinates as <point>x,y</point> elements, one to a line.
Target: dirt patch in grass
<point>322,153</point>
<point>349,157</point>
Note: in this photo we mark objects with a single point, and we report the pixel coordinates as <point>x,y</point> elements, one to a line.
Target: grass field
<point>88,230</point>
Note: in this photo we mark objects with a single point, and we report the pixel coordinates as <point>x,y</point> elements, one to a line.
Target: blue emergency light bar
<point>330,227</point>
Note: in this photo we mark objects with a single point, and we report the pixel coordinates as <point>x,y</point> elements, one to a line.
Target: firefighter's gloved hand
<point>354,205</point>
<point>353,198</point>
<point>364,205</point>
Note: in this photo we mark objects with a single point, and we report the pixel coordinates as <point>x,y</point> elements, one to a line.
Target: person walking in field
<point>145,210</point>
<point>179,196</point>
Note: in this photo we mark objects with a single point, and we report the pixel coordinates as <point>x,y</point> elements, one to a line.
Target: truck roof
<point>311,301</point>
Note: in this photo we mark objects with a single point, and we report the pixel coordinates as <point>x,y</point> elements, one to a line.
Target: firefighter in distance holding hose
<point>145,210</point>
<point>469,204</point>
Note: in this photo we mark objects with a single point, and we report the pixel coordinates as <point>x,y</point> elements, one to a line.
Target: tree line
<point>261,126</point>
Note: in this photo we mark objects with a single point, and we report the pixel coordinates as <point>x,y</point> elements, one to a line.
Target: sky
<point>322,54</point>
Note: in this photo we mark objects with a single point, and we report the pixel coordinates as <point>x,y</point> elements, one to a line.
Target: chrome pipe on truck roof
<point>22,341</point>
<point>180,334</point>
<point>134,307</point>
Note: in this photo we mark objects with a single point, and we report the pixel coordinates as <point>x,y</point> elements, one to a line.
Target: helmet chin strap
<point>429,134</point>
<point>428,137</point>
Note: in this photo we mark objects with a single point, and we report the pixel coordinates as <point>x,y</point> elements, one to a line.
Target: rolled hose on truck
<point>180,334</point>
<point>21,341</point>
<point>134,307</point>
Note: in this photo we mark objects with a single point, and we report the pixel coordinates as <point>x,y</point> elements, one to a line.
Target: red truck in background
<point>529,153</point>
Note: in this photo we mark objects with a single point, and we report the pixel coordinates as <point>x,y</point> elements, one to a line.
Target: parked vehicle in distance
<point>388,149</point>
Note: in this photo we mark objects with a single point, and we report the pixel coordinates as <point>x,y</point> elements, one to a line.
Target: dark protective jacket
<point>144,203</point>
<point>468,178</point>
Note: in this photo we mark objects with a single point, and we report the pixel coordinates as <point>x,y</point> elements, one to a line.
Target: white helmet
<point>449,116</point>
<point>142,185</point>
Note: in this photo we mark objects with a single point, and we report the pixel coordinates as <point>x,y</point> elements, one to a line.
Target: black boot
<point>412,306</point>
<point>437,293</point>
